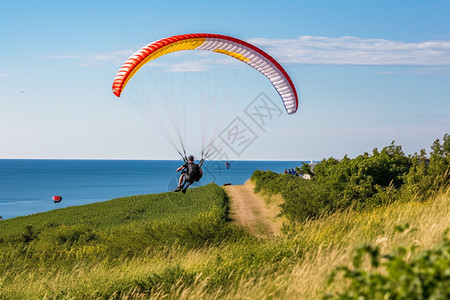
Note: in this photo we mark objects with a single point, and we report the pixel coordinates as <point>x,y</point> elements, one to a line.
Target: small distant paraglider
<point>57,199</point>
<point>227,165</point>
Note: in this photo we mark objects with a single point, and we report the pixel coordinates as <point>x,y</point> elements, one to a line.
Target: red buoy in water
<point>57,199</point>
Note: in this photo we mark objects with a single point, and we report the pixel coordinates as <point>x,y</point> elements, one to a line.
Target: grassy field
<point>182,246</point>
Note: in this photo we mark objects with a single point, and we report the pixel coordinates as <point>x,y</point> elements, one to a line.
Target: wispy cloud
<point>179,61</point>
<point>198,63</point>
<point>187,66</point>
<point>349,50</point>
<point>6,75</point>
<point>428,56</point>
<point>96,58</point>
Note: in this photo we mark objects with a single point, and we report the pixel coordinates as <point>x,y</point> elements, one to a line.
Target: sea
<point>27,186</point>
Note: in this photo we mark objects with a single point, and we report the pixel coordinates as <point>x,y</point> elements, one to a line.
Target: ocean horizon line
<point>160,159</point>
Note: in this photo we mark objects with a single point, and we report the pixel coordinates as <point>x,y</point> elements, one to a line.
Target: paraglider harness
<point>193,172</point>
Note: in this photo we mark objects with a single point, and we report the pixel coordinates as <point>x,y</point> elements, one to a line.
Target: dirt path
<point>249,211</point>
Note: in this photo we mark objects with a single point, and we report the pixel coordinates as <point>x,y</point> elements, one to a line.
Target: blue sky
<point>368,73</point>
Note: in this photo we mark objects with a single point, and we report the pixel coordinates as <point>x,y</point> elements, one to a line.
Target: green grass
<point>123,211</point>
<point>179,246</point>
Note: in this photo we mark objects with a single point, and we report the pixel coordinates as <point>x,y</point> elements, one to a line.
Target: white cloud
<point>115,56</point>
<point>349,50</point>
<point>187,66</point>
<point>96,58</point>
<point>346,50</point>
<point>196,64</point>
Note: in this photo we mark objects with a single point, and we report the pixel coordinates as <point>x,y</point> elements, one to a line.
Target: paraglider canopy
<point>223,44</point>
<point>57,199</point>
<point>134,84</point>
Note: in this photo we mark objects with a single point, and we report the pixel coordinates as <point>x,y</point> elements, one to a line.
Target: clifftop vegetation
<point>369,180</point>
<point>375,226</point>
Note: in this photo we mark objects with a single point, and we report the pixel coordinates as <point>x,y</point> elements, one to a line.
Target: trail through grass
<point>250,211</point>
<point>182,247</point>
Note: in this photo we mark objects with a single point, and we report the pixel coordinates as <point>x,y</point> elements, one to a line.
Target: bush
<point>428,176</point>
<point>426,276</point>
<point>366,181</point>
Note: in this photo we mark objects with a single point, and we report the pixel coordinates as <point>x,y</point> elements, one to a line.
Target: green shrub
<point>366,181</point>
<point>425,276</point>
<point>428,176</point>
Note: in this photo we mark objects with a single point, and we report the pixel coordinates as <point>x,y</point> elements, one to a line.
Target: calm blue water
<point>27,186</point>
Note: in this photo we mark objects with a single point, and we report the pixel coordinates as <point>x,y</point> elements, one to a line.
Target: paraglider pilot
<point>190,172</point>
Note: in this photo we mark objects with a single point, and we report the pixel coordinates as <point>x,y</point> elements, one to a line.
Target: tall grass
<point>194,253</point>
<point>61,252</point>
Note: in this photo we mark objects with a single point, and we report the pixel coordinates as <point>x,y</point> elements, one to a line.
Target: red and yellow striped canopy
<point>230,46</point>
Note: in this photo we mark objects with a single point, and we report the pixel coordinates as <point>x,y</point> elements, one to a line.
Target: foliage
<point>428,176</point>
<point>425,276</point>
<point>305,169</point>
<point>179,246</point>
<point>237,267</point>
<point>365,181</point>
<point>120,231</point>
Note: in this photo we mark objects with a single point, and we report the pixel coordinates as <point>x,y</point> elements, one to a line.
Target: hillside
<point>375,227</point>
<point>115,260</point>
